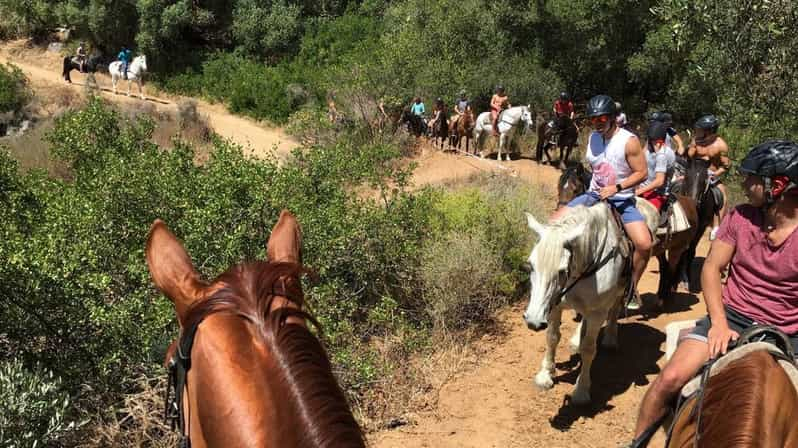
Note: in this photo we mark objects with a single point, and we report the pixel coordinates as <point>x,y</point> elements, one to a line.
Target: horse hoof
<point>580,398</point>
<point>543,380</point>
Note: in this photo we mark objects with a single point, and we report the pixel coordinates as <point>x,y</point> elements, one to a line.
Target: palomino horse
<point>562,134</point>
<point>582,261</point>
<point>135,71</point>
<point>750,401</point>
<point>89,67</point>
<point>508,127</point>
<point>246,370</point>
<point>461,126</point>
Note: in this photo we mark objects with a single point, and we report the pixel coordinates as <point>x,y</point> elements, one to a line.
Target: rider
<point>563,107</point>
<point>498,103</point>
<point>80,57</point>
<point>438,113</point>
<point>619,165</point>
<point>762,284</point>
<point>621,118</point>
<point>124,57</point>
<point>461,106</point>
<point>660,159</point>
<point>708,145</point>
<point>419,110</point>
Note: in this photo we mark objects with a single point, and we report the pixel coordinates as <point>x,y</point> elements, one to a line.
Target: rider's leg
<point>688,358</point>
<point>587,199</point>
<point>494,115</point>
<point>641,238</point>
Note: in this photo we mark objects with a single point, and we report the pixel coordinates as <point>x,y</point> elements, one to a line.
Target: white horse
<point>135,71</point>
<point>580,262</point>
<point>508,125</point>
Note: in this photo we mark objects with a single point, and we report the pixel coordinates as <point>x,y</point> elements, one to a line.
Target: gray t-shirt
<point>661,161</point>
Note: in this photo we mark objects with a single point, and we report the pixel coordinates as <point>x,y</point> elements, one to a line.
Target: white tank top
<point>609,161</point>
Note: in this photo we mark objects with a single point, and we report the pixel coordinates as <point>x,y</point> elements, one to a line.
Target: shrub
<point>34,408</point>
<point>14,90</point>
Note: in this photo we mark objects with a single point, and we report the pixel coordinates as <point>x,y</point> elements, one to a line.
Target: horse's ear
<point>285,242</point>
<point>536,227</point>
<point>172,270</point>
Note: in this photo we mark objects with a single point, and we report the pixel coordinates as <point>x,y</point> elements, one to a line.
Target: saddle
<point>672,218</point>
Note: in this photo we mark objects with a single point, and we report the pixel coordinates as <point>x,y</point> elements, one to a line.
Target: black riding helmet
<point>656,131</point>
<point>500,88</point>
<point>657,116</point>
<point>772,158</point>
<point>600,105</point>
<point>667,119</point>
<point>564,96</point>
<point>708,122</point>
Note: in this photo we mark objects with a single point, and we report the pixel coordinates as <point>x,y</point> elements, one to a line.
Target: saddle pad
<point>792,372</point>
<point>677,222</point>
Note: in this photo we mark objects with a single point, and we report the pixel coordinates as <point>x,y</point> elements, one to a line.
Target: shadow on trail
<point>613,372</point>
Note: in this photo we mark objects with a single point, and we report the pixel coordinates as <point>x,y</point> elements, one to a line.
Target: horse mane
<point>596,221</point>
<point>724,391</point>
<point>302,363</point>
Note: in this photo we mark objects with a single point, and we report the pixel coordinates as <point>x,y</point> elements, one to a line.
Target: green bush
<point>34,408</point>
<point>14,90</point>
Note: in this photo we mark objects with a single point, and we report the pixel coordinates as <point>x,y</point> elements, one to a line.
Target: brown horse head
<point>257,376</point>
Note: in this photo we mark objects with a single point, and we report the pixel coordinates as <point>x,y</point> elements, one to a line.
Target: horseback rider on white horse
<point>619,165</point>
<point>508,124</point>
<point>135,72</point>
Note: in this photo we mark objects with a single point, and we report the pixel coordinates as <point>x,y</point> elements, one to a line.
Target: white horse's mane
<point>584,230</point>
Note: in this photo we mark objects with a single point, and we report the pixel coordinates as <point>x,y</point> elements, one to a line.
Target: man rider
<point>762,284</point>
<point>619,165</point>
<point>124,56</point>
<point>563,107</point>
<point>660,160</point>
<point>708,145</point>
<point>498,103</point>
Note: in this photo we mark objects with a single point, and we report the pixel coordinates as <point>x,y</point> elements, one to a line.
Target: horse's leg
<point>610,338</point>
<point>665,278</point>
<point>141,88</point>
<point>113,82</point>
<point>129,81</point>
<point>573,343</point>
<point>587,351</point>
<point>543,379</point>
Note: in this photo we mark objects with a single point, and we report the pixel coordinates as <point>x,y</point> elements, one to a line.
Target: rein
<point>178,366</point>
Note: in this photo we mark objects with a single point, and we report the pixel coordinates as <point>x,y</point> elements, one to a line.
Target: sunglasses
<point>600,119</point>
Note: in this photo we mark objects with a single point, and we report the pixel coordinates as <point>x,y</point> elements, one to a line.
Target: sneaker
<point>713,234</point>
<point>634,303</point>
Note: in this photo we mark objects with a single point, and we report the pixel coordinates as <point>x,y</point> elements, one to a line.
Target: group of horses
<point>135,71</point>
<point>452,131</point>
<point>583,261</point>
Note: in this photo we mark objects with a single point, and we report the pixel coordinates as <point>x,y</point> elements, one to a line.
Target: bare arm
<point>723,159</point>
<point>656,183</point>
<point>637,162</point>
<point>720,255</point>
<point>679,144</point>
<point>691,151</point>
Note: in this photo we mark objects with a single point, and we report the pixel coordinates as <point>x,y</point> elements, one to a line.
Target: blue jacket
<point>124,56</point>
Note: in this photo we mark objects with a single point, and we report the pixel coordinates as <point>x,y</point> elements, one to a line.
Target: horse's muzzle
<point>536,326</point>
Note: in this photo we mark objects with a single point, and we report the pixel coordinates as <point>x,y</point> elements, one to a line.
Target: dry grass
<point>137,421</point>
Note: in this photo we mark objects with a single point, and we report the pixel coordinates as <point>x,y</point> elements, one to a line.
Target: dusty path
<point>496,404</point>
<point>43,69</point>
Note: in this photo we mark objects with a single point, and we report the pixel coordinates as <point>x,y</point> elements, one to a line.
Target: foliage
<point>34,408</point>
<point>14,90</point>
<point>270,28</point>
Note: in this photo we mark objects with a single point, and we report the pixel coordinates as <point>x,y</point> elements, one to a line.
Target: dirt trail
<point>496,404</point>
<point>43,69</point>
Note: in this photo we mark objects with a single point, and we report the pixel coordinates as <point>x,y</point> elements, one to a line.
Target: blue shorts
<point>625,207</point>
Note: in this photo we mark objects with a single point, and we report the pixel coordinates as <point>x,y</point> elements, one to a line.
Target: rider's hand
<point>719,337</point>
<point>608,191</point>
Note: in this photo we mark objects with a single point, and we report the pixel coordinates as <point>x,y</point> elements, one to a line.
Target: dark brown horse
<point>256,376</point>
<point>561,132</point>
<point>462,126</point>
<point>751,403</point>
<point>89,67</point>
<point>439,131</point>
<point>695,185</point>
